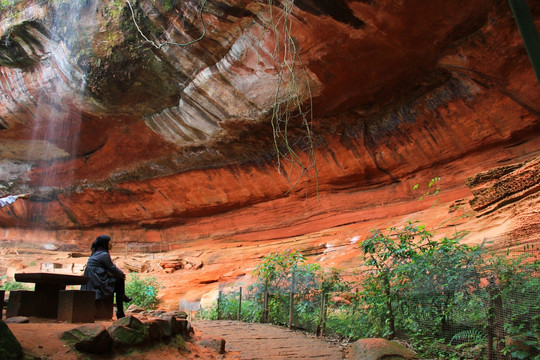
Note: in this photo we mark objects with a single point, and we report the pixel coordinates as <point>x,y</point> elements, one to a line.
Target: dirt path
<point>265,341</point>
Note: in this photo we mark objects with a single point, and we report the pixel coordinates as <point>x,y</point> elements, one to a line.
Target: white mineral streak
<point>242,85</point>
<point>13,93</point>
<point>38,96</point>
<point>72,78</point>
<point>54,75</point>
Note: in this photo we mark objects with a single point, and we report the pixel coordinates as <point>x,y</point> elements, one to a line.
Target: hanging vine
<point>159,46</point>
<point>288,105</point>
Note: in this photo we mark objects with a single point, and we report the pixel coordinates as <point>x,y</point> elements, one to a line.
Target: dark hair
<point>101,243</point>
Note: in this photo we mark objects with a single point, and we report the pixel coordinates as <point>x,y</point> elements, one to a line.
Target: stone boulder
<point>171,265</point>
<point>379,349</point>
<point>166,328</point>
<point>128,331</point>
<point>89,338</point>
<point>192,263</point>
<point>177,314</point>
<point>214,343</point>
<point>134,309</point>
<point>136,265</point>
<point>154,329</point>
<point>154,313</point>
<point>10,348</point>
<point>182,327</point>
<point>17,320</point>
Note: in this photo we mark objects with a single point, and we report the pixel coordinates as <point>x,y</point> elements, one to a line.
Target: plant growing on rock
<point>8,4</point>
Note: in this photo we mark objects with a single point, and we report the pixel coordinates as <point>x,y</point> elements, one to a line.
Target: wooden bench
<point>44,300</point>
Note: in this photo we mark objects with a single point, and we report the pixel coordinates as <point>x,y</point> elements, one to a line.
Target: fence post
<point>291,309</point>
<point>218,305</point>
<point>265,303</point>
<point>239,317</point>
<point>291,302</point>
<point>319,325</point>
<point>495,320</point>
<point>324,302</point>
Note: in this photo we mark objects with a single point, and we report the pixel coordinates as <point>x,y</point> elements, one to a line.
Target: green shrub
<point>347,322</point>
<point>209,313</point>
<point>14,285</point>
<point>144,291</point>
<point>228,306</point>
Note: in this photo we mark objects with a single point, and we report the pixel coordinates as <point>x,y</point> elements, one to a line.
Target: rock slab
<point>10,348</point>
<point>379,349</point>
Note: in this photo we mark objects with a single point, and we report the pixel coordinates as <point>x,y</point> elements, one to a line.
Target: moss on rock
<point>10,348</point>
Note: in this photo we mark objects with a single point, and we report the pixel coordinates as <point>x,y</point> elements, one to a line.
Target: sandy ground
<point>40,338</point>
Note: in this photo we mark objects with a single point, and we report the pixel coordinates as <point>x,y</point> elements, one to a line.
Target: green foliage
<point>115,9</point>
<point>472,335</point>
<point>209,313</point>
<point>8,4</point>
<point>228,309</point>
<point>433,292</point>
<point>275,266</point>
<point>519,285</point>
<point>430,191</point>
<point>414,281</point>
<point>144,291</point>
<point>286,272</point>
<point>14,285</point>
<point>347,322</point>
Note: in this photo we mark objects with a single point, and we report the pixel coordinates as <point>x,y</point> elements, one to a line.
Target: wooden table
<point>45,295</point>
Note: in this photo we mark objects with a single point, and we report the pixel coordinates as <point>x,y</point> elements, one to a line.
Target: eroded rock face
<point>169,143</point>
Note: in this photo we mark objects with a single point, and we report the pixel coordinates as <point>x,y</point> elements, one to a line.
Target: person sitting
<point>104,277</point>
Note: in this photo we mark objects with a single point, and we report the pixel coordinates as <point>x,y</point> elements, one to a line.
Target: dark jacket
<point>102,273</point>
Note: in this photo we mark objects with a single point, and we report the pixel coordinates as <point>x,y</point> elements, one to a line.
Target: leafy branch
<point>430,185</point>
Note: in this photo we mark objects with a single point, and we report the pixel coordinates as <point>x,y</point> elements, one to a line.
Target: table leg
<point>47,295</point>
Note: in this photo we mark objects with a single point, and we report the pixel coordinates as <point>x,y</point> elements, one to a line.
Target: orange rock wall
<point>417,92</point>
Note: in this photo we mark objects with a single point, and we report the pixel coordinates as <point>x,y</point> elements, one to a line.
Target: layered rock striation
<point>159,121</point>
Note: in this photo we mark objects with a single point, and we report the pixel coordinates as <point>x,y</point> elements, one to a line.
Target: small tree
<point>404,263</point>
<point>275,269</point>
<point>287,272</point>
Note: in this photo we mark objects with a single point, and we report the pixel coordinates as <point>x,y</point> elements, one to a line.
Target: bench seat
<point>76,306</point>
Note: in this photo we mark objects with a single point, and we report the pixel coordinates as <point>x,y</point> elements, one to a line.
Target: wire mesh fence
<point>496,316</point>
<point>146,248</point>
